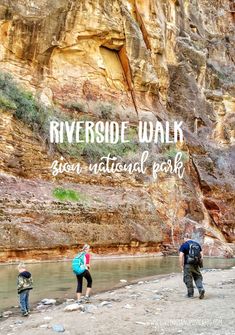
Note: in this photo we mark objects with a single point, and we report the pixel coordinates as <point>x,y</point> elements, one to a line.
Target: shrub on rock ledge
<point>63,194</point>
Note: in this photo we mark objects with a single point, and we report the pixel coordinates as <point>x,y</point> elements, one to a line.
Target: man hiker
<point>190,258</point>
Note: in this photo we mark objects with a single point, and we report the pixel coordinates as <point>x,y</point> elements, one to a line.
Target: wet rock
<point>105,303</point>
<point>166,289</point>
<point>91,308</point>
<point>47,318</point>
<point>123,280</point>
<point>158,309</point>
<point>140,323</point>
<point>48,301</point>
<point>127,306</point>
<point>157,297</point>
<point>58,328</point>
<point>128,287</point>
<point>135,296</point>
<point>221,296</point>
<point>6,314</point>
<point>74,307</point>
<point>41,307</point>
<point>18,322</point>
<point>140,282</point>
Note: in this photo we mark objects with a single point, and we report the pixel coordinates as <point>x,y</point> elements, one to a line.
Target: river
<point>56,280</point>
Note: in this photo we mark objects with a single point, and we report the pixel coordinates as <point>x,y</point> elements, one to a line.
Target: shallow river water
<point>56,280</point>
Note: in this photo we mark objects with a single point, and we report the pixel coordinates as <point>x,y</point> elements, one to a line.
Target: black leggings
<point>86,274</point>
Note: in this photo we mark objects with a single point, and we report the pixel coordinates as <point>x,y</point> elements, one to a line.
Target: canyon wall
<point>150,60</point>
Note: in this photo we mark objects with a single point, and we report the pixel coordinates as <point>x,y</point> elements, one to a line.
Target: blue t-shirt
<point>185,248</point>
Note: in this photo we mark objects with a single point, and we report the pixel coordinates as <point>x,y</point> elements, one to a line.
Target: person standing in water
<point>81,267</point>
<point>190,258</point>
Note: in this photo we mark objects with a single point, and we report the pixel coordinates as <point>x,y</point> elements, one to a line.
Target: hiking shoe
<point>189,296</point>
<point>25,314</point>
<point>79,301</point>
<point>86,299</point>
<point>201,294</point>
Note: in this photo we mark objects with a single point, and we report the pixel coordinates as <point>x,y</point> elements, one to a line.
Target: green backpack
<point>78,265</point>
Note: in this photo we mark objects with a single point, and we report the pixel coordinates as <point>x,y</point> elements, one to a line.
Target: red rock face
<point>149,60</point>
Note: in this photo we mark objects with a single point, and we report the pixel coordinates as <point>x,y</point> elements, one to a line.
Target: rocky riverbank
<point>155,306</point>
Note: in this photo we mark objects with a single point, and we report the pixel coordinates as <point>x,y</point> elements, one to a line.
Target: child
<point>24,285</point>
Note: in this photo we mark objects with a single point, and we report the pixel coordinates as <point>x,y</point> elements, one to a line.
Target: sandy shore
<point>157,306</point>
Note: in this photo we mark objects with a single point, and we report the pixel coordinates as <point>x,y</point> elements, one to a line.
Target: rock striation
<point>165,60</point>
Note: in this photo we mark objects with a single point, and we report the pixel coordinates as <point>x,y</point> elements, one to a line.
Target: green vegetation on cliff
<point>63,194</point>
<point>26,108</point>
<point>23,104</point>
<point>172,152</point>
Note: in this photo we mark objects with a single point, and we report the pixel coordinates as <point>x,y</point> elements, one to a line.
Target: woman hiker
<point>81,266</point>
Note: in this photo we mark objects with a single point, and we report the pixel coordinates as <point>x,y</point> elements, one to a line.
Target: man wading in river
<point>190,258</point>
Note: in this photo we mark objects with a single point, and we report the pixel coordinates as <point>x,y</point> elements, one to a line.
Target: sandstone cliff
<point>170,60</point>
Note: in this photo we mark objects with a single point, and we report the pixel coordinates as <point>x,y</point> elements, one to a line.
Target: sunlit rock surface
<point>171,60</point>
